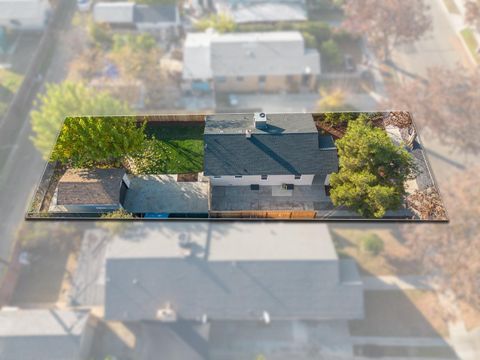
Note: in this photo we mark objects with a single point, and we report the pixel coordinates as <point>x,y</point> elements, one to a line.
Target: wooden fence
<point>268,214</point>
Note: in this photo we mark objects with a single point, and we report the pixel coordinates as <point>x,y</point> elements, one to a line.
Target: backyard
<point>170,149</point>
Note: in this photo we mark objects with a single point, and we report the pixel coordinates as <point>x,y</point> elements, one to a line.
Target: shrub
<point>117,214</point>
<point>330,52</point>
<point>100,34</point>
<point>372,244</point>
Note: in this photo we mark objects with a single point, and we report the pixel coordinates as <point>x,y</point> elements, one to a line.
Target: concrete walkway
<point>399,341</point>
<point>414,282</point>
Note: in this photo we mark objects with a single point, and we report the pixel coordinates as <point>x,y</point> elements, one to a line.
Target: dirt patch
<point>187,177</point>
<point>412,313</point>
<point>395,259</point>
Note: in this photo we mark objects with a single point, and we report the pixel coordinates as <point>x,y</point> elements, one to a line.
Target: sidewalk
<point>413,282</point>
<point>458,24</point>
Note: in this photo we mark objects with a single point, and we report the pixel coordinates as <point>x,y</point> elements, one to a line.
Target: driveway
<point>164,194</point>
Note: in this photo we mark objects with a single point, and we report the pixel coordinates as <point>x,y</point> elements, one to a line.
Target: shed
<point>90,191</point>
<point>114,13</point>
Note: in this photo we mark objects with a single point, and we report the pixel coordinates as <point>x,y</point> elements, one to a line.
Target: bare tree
<point>448,104</point>
<point>387,22</point>
<point>472,13</point>
<point>449,251</point>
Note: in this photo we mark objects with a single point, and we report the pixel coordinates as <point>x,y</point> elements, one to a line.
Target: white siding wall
<point>256,179</point>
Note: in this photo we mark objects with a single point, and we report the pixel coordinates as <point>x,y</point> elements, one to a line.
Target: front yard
<point>412,313</point>
<point>393,260</point>
<point>170,149</point>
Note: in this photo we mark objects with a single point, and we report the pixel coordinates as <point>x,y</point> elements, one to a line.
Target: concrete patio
<point>233,198</point>
<point>164,194</point>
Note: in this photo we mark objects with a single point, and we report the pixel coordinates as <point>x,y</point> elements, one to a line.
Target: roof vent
<point>260,120</point>
<point>266,317</point>
<point>167,314</point>
<point>248,133</point>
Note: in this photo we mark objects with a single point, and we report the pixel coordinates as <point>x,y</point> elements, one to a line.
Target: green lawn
<point>171,149</point>
<point>471,42</point>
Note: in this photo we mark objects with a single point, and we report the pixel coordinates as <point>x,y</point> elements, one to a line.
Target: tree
<point>68,99</point>
<point>448,251</point>
<point>136,55</point>
<point>372,172</point>
<point>387,23</point>
<point>92,140</point>
<point>333,100</point>
<point>447,104</point>
<point>220,22</point>
<point>472,13</point>
<point>330,52</point>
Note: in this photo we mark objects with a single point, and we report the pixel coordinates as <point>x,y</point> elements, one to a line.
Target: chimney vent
<point>248,133</point>
<point>260,120</point>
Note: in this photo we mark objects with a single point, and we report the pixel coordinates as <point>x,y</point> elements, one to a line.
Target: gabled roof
<point>114,12</point>
<point>289,145</point>
<point>41,334</point>
<point>229,271</point>
<point>90,187</point>
<point>155,13</point>
<point>268,11</point>
<point>210,55</point>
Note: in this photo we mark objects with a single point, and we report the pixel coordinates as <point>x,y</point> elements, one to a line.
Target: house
<point>191,285</point>
<point>264,11</point>
<point>266,150</point>
<point>44,334</point>
<point>223,271</point>
<point>90,191</point>
<point>249,62</point>
<point>24,14</point>
<point>162,20</point>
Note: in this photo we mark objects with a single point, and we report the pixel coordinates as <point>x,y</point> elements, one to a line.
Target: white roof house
<point>24,14</point>
<point>114,12</point>
<point>196,56</point>
<point>269,11</point>
<point>44,334</point>
<point>144,17</point>
<point>248,54</point>
<point>230,271</point>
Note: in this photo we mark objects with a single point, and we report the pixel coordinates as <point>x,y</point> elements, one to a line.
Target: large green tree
<point>92,140</point>
<point>373,170</point>
<point>68,99</point>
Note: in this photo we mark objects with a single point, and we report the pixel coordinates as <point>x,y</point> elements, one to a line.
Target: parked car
<point>84,5</point>
<point>349,64</point>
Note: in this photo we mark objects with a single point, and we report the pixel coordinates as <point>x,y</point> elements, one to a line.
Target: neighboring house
<point>262,11</point>
<point>24,14</point>
<point>44,334</point>
<point>186,281</point>
<point>90,191</point>
<point>162,20</point>
<point>250,62</point>
<point>261,149</point>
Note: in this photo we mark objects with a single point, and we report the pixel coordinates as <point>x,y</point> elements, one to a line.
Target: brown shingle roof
<point>90,186</point>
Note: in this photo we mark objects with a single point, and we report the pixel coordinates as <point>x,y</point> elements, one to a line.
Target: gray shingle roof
<point>90,186</point>
<point>287,285</point>
<point>290,145</point>
<point>175,341</point>
<point>42,334</point>
<point>155,13</point>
